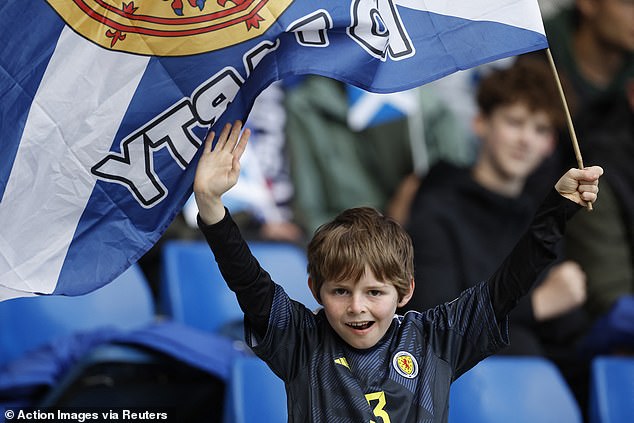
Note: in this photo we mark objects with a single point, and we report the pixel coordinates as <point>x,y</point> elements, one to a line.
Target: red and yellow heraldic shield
<point>169,27</point>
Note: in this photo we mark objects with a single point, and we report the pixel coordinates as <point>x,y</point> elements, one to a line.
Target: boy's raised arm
<point>537,248</point>
<point>217,172</point>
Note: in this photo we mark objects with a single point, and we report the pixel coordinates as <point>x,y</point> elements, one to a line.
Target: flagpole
<point>571,128</point>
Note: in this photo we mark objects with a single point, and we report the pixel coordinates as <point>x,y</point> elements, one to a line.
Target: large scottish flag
<point>103,104</point>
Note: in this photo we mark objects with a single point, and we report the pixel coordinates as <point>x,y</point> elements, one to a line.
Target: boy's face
<point>515,140</point>
<point>361,312</point>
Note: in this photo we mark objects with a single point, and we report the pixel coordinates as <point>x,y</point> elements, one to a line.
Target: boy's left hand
<point>580,185</point>
<point>218,170</point>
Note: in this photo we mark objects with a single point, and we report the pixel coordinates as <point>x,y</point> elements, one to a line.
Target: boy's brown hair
<point>356,238</point>
<point>530,81</point>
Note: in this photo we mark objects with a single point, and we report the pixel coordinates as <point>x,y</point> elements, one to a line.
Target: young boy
<point>354,360</point>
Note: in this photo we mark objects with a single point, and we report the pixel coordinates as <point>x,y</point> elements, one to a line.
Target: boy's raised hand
<point>218,170</point>
<point>580,185</point>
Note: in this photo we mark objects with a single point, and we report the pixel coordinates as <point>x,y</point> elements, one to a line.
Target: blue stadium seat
<point>28,323</point>
<point>193,291</point>
<point>612,390</point>
<point>512,389</point>
<point>286,264</point>
<point>254,394</point>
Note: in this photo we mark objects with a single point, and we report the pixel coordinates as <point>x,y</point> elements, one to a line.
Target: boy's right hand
<point>218,170</point>
<point>580,185</point>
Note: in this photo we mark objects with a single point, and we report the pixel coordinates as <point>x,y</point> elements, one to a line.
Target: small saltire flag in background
<point>366,109</point>
<point>104,103</point>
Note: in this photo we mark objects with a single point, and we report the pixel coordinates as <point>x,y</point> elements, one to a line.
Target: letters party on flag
<point>104,104</point>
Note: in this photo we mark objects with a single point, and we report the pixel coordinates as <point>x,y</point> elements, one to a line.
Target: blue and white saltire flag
<point>366,109</point>
<point>103,104</point>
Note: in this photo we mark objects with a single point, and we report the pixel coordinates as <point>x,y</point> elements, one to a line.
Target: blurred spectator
<point>464,220</point>
<point>592,42</point>
<point>340,160</point>
<point>604,239</point>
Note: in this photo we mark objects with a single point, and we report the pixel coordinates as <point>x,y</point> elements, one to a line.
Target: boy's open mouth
<point>359,325</point>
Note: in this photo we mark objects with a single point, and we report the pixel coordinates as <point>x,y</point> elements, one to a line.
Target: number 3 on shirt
<point>378,408</point>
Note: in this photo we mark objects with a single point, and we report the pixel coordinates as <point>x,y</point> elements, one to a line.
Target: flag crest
<point>176,28</point>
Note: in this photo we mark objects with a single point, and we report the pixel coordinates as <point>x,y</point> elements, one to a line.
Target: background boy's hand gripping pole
<point>218,170</point>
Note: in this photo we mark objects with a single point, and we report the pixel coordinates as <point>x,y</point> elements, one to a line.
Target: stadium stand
<point>194,293</point>
<point>126,303</point>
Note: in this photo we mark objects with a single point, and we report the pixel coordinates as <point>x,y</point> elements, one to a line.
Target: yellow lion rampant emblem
<point>169,27</point>
<point>405,364</point>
